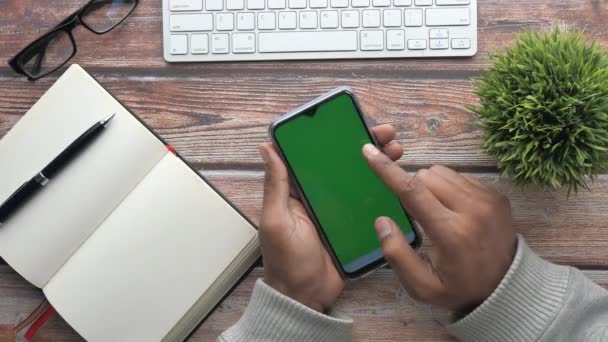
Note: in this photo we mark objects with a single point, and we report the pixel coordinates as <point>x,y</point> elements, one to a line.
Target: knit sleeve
<point>272,316</point>
<point>538,301</point>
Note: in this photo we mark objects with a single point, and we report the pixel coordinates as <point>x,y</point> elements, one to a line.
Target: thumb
<point>415,273</point>
<point>276,184</point>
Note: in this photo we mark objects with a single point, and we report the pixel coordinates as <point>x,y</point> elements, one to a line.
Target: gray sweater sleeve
<point>271,316</point>
<point>535,301</point>
<point>538,301</point>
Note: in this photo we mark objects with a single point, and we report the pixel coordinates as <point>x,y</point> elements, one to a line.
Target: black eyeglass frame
<point>67,25</point>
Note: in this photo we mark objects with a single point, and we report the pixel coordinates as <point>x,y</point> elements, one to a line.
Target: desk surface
<point>215,115</point>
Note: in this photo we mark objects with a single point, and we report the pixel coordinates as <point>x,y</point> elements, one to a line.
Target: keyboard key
<point>297,3</point>
<point>339,3</point>
<point>224,21</point>
<point>255,4</point>
<point>459,16</point>
<point>460,43</point>
<point>235,4</point>
<point>219,43</point>
<point>276,4</point>
<point>186,5</point>
<point>402,3</point>
<point>360,3</point>
<point>199,44</point>
<point>179,44</point>
<point>243,43</point>
<point>350,19</point>
<point>191,22</point>
<point>266,20</point>
<point>416,44</point>
<point>225,28</point>
<point>392,18</point>
<point>318,3</point>
<point>371,18</point>
<point>439,44</point>
<point>413,17</point>
<point>329,19</point>
<point>311,41</point>
<point>439,33</point>
<point>287,20</point>
<point>395,39</point>
<point>245,21</point>
<point>308,20</point>
<point>372,40</point>
<point>451,2</point>
<point>381,3</point>
<point>214,5</point>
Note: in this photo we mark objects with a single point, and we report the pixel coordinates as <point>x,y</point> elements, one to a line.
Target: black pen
<point>29,188</point>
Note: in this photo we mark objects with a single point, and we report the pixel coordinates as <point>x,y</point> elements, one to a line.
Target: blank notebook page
<point>41,236</point>
<point>152,258</point>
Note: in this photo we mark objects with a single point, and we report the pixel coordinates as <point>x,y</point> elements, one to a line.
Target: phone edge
<point>299,110</point>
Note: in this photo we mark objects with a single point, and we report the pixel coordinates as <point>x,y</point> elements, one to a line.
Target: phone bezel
<point>302,110</point>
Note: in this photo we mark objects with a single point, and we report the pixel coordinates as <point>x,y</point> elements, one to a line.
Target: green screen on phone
<point>323,150</point>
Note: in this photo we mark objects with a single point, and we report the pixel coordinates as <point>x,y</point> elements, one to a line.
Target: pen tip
<point>105,121</point>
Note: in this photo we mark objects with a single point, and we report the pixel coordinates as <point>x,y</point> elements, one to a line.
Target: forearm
<point>538,301</point>
<point>271,316</point>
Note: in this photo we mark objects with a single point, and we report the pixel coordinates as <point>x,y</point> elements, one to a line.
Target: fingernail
<point>384,228</point>
<point>370,150</point>
<point>264,154</point>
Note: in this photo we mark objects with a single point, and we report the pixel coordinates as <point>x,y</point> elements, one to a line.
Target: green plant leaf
<point>543,109</point>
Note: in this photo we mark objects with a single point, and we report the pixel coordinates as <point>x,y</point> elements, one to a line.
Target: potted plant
<point>543,109</point>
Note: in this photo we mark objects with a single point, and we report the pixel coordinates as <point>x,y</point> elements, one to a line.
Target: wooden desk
<point>216,114</point>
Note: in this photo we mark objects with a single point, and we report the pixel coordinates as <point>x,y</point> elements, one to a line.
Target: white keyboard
<point>254,30</point>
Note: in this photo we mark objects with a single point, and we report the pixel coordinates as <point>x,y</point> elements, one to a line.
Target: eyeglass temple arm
<point>78,12</point>
<point>70,17</point>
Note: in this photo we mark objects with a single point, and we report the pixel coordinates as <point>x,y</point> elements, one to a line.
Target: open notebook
<point>128,243</point>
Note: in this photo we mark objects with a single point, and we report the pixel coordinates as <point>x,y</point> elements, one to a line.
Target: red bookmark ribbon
<point>171,149</point>
<point>48,313</point>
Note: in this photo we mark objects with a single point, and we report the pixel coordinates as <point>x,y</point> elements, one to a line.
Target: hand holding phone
<point>296,262</point>
<point>320,143</point>
<point>469,224</point>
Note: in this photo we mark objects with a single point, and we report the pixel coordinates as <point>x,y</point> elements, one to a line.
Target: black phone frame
<point>306,110</point>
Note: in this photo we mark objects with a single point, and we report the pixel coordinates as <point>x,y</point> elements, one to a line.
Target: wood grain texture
<point>218,123</point>
<point>381,308</point>
<point>136,46</point>
<point>568,231</point>
<point>216,114</point>
<point>7,332</point>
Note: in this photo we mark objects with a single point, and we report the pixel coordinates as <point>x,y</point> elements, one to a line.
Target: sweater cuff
<point>523,305</point>
<point>272,316</point>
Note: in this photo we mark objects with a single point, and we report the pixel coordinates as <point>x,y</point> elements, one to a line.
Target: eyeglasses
<point>51,51</point>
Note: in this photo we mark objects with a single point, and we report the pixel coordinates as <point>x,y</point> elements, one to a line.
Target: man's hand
<point>295,261</point>
<point>469,224</point>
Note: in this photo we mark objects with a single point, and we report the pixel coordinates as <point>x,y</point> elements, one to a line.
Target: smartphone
<point>321,143</point>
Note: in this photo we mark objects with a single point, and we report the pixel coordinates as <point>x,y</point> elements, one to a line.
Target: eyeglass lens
<point>48,54</point>
<point>102,15</point>
<point>52,51</point>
